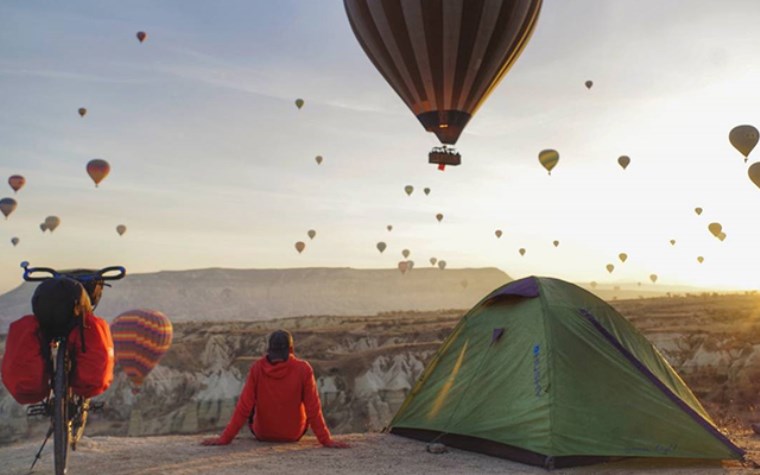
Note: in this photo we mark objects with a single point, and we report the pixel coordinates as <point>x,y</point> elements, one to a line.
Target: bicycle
<point>67,411</point>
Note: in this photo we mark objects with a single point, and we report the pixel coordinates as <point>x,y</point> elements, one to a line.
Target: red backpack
<point>25,368</point>
<point>92,370</point>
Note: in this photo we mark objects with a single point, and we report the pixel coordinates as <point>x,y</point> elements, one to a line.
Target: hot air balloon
<point>743,138</point>
<point>311,233</point>
<point>715,228</point>
<point>52,222</point>
<point>300,246</point>
<point>589,84</point>
<point>624,161</point>
<point>408,189</point>
<point>610,268</point>
<point>16,182</point>
<point>698,211</point>
<point>121,229</point>
<point>593,285</point>
<point>721,236</point>
<point>556,243</point>
<point>82,111</point>
<point>522,251</point>
<point>403,266</point>
<point>443,58</point>
<point>433,260</point>
<point>98,169</point>
<point>140,339</point>
<point>498,233</point>
<point>7,205</point>
<point>409,265</point>
<point>318,159</point>
<point>754,173</point>
<point>623,256</point>
<point>548,159</point>
<point>299,103</point>
<point>653,278</point>
<point>427,191</point>
<point>389,227</point>
<point>43,227</point>
<point>441,265</point>
<point>14,241</point>
<point>405,253</point>
<point>439,217</point>
<point>381,246</point>
<point>672,242</point>
<point>700,259</point>
<point>142,36</point>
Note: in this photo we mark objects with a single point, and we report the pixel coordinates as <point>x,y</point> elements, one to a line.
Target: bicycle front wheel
<point>60,411</point>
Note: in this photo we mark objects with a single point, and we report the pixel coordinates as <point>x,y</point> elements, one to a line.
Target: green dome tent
<point>544,372</point>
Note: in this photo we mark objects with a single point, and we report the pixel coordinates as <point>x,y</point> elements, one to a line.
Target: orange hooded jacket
<point>283,399</point>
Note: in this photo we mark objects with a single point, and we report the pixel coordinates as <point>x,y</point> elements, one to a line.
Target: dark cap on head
<point>280,343</point>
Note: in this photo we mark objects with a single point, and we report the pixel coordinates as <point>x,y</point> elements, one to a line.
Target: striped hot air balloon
<point>140,339</point>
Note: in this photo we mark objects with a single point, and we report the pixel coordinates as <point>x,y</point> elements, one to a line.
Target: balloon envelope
<point>7,206</point>
<point>43,227</point>
<point>408,189</point>
<point>405,253</point>
<point>16,182</point>
<point>653,278</point>
<point>556,243</point>
<point>589,84</point>
<point>623,256</point>
<point>498,233</point>
<point>52,222</point>
<point>433,260</point>
<point>427,191</point>
<point>300,246</point>
<point>700,259</point>
<point>141,36</point>
<point>121,229</point>
<point>610,268</point>
<point>403,266</point>
<point>624,161</point>
<point>98,169</point>
<point>754,173</point>
<point>743,138</point>
<point>439,217</point>
<point>443,58</point>
<point>522,251</point>
<point>381,246</point>
<point>140,339</point>
<point>318,158</point>
<point>698,211</point>
<point>299,103</point>
<point>715,228</point>
<point>389,227</point>
<point>721,236</point>
<point>14,241</point>
<point>548,159</point>
<point>82,111</point>
<point>593,285</point>
<point>311,233</point>
<point>441,265</point>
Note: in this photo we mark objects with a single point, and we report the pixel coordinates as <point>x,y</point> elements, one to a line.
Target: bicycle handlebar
<point>36,274</point>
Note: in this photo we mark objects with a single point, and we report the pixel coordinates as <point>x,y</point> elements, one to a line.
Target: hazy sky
<point>213,165</point>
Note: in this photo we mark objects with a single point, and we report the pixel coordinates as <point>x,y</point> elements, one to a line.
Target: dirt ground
<point>374,453</point>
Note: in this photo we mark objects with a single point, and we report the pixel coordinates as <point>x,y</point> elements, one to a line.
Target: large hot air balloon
<point>142,36</point>
<point>433,260</point>
<point>300,246</point>
<point>441,265</point>
<point>299,103</point>
<point>82,111</point>
<point>743,138</point>
<point>443,58</point>
<point>754,173</point>
<point>623,256</point>
<point>381,247</point>
<point>715,228</point>
<point>121,229</point>
<point>318,159</point>
<point>140,339</point>
<point>52,222</point>
<point>698,211</point>
<point>409,189</point>
<point>498,233</point>
<point>548,159</point>
<point>98,169</point>
<point>624,161</point>
<point>14,241</point>
<point>7,205</point>
<point>16,182</point>
<point>439,217</point>
<point>311,233</point>
<point>588,84</point>
<point>405,253</point>
<point>610,268</point>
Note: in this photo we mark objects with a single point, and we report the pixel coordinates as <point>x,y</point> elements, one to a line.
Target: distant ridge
<point>259,294</point>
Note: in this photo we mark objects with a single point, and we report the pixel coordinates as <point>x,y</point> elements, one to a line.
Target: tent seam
<point>549,362</point>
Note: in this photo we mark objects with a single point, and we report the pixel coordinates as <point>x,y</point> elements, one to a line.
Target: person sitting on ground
<point>279,400</point>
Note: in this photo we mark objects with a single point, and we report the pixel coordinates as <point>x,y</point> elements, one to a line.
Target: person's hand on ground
<point>336,444</point>
<point>214,441</point>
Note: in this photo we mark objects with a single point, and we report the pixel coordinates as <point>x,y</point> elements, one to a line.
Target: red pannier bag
<point>26,371</point>
<point>92,369</point>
